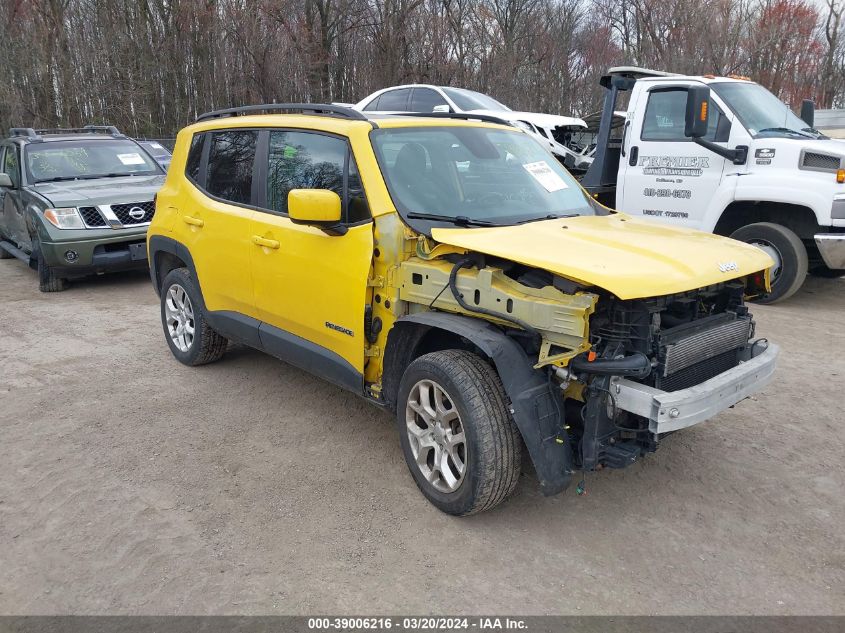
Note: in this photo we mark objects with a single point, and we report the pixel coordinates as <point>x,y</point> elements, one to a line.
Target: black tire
<point>493,447</point>
<point>827,273</point>
<point>790,249</point>
<point>4,254</point>
<point>206,345</point>
<point>48,280</point>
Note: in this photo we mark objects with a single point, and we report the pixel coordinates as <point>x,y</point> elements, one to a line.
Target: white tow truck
<point>724,155</point>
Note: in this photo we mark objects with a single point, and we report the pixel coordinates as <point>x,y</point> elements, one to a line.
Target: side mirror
<point>441,108</point>
<point>6,180</point>
<point>808,112</point>
<point>316,207</point>
<point>697,115</point>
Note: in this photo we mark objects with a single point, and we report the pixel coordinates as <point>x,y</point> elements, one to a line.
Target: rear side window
<point>395,100</point>
<point>230,164</point>
<point>308,160</point>
<point>372,106</point>
<point>192,167</point>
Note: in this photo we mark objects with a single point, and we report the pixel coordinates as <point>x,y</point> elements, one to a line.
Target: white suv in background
<point>552,130</point>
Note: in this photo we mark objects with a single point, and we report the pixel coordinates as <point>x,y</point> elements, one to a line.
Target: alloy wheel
<point>436,436</point>
<point>179,317</point>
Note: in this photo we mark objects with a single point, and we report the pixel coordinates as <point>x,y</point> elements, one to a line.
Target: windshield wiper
<point>785,130</point>
<point>550,216</point>
<point>459,220</point>
<point>58,179</point>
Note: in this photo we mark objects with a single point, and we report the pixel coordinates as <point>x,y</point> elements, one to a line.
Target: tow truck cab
<point>753,170</point>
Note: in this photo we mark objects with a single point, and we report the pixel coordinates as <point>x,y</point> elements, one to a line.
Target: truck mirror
<point>808,112</point>
<point>6,180</point>
<point>698,104</point>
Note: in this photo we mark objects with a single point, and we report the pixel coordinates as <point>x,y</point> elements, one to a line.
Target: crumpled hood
<point>628,257</point>
<point>537,118</point>
<point>74,193</point>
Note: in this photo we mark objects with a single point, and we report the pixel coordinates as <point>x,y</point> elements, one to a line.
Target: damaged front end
<point>609,378</point>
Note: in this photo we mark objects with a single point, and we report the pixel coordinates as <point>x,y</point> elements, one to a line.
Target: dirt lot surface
<point>132,484</point>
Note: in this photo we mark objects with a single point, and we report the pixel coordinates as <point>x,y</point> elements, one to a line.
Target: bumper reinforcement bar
<point>672,410</point>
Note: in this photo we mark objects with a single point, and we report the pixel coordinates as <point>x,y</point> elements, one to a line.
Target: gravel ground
<point>131,484</point>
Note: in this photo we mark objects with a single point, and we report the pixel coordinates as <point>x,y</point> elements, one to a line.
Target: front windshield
<point>469,100</point>
<point>761,112</point>
<point>475,175</point>
<point>55,161</point>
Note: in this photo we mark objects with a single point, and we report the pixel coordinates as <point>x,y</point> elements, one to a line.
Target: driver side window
<point>11,165</point>
<point>665,116</point>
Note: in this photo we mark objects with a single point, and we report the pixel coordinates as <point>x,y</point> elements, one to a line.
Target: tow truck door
<point>668,177</point>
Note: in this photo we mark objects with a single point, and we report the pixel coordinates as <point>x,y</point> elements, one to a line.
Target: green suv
<point>75,202</point>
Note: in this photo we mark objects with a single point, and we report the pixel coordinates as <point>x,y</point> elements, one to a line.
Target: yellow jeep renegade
<point>452,271</point>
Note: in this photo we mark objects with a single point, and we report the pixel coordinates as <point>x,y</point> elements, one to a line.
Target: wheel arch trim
<point>536,409</point>
<point>160,244</point>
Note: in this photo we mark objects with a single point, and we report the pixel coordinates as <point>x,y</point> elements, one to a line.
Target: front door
<point>668,177</point>
<point>311,287</point>
<point>13,220</point>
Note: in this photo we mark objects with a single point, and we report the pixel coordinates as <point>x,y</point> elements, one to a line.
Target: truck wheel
<point>459,440</point>
<point>785,247</point>
<point>48,281</point>
<point>190,337</point>
<point>827,273</point>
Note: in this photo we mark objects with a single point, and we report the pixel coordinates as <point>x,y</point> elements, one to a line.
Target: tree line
<point>151,66</point>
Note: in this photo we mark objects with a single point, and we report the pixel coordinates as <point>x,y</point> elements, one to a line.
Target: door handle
<point>187,219</point>
<point>263,241</point>
<point>635,152</point>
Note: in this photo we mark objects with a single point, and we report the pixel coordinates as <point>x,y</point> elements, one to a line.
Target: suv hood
<point>74,193</point>
<point>628,257</point>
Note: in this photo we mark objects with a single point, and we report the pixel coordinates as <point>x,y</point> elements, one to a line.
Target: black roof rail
<point>465,116</point>
<point>22,131</point>
<point>107,129</point>
<point>317,108</point>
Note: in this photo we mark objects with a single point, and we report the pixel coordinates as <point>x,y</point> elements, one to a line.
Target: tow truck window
<point>665,116</point>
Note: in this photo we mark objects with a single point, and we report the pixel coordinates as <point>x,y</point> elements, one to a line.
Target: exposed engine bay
<point>584,339</point>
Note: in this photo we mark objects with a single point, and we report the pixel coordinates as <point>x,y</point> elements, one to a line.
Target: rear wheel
<point>459,441</point>
<point>787,251</point>
<point>189,336</point>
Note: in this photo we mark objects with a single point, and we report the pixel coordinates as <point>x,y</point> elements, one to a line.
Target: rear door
<point>668,177</point>
<point>311,287</point>
<point>215,219</point>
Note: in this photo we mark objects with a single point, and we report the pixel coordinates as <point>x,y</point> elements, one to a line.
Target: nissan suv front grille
<point>134,213</point>
<point>92,218</point>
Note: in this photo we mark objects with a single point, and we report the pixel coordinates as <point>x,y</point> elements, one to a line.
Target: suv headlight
<point>65,218</point>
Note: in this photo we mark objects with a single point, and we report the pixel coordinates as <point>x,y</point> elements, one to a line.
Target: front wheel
<point>189,336</point>
<point>48,280</point>
<point>459,440</point>
<point>787,251</point>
